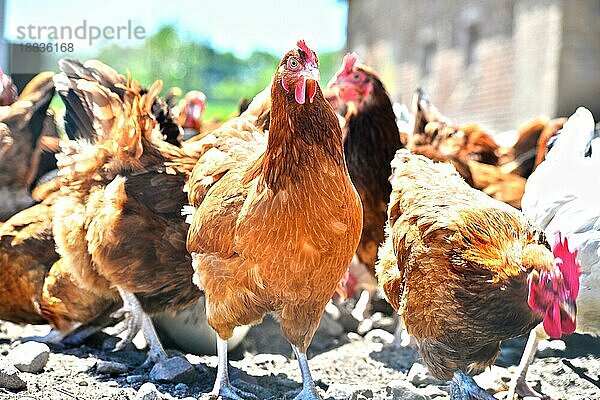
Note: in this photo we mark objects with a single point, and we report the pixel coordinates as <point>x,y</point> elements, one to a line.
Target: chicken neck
<point>302,137</point>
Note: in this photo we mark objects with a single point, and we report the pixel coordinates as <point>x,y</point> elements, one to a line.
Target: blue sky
<point>239,26</point>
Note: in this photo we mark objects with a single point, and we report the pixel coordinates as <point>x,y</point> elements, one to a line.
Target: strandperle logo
<point>82,32</point>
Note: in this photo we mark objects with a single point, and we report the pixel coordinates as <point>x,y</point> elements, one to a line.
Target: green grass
<point>219,109</point>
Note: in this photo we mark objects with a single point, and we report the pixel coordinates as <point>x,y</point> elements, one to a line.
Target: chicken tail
<point>575,138</point>
<point>74,85</point>
<point>105,109</point>
<point>32,105</point>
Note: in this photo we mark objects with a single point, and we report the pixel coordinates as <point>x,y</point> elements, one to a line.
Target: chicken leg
<point>223,386</point>
<point>519,384</point>
<point>136,319</point>
<point>402,339</point>
<point>463,387</point>
<point>308,391</point>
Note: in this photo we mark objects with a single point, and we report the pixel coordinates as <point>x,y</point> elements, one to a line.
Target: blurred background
<point>499,62</point>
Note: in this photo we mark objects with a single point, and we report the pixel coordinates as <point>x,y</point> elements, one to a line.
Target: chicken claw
<point>308,392</point>
<point>522,388</point>
<point>135,320</point>
<point>463,387</point>
<point>223,386</point>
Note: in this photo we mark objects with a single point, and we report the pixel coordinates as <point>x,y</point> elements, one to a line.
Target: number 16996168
<point>49,47</point>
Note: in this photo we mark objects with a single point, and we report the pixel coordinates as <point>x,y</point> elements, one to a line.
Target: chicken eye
<point>293,64</point>
<point>356,77</point>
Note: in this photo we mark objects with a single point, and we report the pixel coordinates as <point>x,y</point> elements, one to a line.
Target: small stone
<point>385,323</point>
<point>353,336</point>
<point>379,336</point>
<point>364,326</point>
<point>148,392</point>
<point>348,322</point>
<point>111,368</point>
<point>402,390</point>
<point>550,348</point>
<point>182,387</point>
<point>339,391</point>
<point>330,327</point>
<point>419,375</point>
<point>30,356</point>
<point>135,379</point>
<point>174,369</point>
<point>333,311</point>
<point>83,383</point>
<point>9,376</point>
<point>432,391</point>
<point>491,378</point>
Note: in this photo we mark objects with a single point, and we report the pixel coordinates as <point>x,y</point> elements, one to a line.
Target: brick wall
<point>519,66</point>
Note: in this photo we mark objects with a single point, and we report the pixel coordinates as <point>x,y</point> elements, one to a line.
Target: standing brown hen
<point>275,232</point>
<point>117,222</point>
<point>371,138</point>
<point>467,271</point>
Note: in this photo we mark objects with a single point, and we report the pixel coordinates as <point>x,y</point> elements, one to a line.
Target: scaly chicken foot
<point>463,387</point>
<point>131,325</point>
<point>309,391</point>
<point>223,386</point>
<point>136,319</point>
<point>76,338</point>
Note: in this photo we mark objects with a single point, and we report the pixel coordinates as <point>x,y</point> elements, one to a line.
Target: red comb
<point>310,55</point>
<point>349,61</point>
<point>568,265</point>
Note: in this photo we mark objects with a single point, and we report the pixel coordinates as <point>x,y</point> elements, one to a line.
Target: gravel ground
<point>342,360</point>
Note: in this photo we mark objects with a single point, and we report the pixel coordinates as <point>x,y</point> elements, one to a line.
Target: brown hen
<point>118,224</point>
<point>467,271</point>
<point>274,232</point>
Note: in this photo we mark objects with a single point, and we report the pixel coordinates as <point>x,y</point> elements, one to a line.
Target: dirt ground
<point>336,357</point>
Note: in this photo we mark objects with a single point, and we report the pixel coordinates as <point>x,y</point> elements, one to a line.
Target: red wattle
<point>312,90</point>
<point>552,324</point>
<point>300,92</point>
<point>568,325</point>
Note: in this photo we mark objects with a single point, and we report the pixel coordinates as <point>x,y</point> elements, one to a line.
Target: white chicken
<point>562,195</point>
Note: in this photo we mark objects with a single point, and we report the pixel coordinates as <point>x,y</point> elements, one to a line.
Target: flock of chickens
<point>277,209</point>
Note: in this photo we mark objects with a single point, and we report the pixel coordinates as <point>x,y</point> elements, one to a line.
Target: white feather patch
<point>188,212</point>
